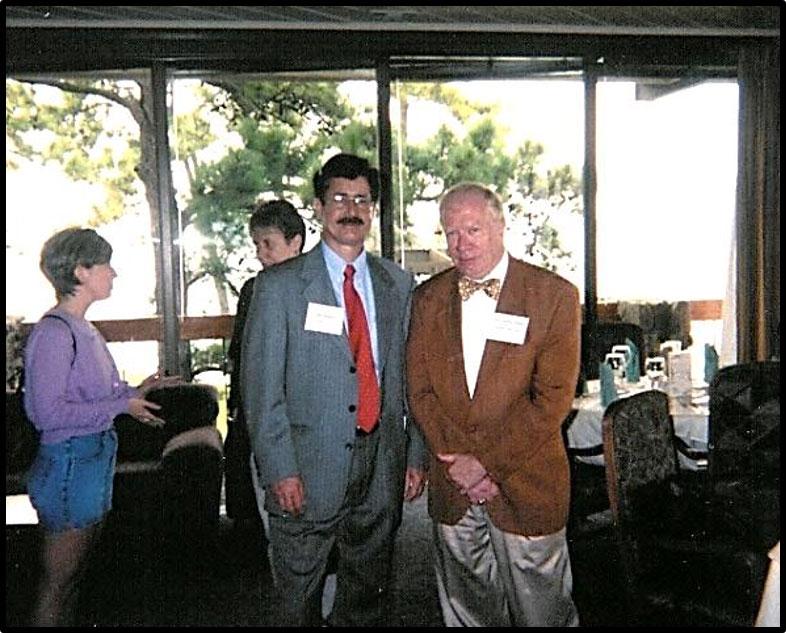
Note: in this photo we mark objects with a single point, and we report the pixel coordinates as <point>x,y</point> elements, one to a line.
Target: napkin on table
<point>633,366</point>
<point>608,391</point>
<point>710,363</point>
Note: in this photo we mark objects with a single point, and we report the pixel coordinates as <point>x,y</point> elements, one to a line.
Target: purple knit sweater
<point>68,391</point>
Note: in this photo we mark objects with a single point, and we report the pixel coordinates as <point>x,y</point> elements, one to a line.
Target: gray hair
<point>493,201</point>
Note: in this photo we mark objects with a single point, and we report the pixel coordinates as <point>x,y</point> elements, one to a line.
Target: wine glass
<point>626,352</point>
<point>616,361</point>
<point>654,368</point>
<point>622,349</point>
<point>666,349</point>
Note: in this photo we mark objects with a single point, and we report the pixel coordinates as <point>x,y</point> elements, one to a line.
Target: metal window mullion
<point>385,150</point>
<point>590,190</point>
<point>167,252</point>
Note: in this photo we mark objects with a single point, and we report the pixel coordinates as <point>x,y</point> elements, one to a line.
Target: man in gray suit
<point>326,420</point>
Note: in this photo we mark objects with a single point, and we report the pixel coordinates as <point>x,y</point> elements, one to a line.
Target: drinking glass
<point>616,361</point>
<point>654,368</point>
<point>669,347</point>
<point>622,349</point>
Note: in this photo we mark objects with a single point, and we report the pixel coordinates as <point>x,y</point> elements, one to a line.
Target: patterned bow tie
<point>467,286</point>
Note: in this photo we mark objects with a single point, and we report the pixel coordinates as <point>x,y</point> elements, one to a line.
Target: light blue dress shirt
<point>362,282</point>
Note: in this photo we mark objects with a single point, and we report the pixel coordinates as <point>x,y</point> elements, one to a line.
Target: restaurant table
<point>770,607</point>
<point>690,415</point>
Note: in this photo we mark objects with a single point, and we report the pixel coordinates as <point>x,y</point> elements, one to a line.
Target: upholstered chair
<point>682,565</point>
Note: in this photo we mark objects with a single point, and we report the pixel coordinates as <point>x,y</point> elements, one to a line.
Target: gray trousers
<point>363,534</point>
<point>329,591</point>
<point>487,577</point>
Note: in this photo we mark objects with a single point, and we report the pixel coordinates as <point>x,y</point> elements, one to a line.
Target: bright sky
<point>667,174</point>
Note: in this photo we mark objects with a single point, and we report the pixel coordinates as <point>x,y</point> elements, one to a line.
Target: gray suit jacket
<point>298,386</point>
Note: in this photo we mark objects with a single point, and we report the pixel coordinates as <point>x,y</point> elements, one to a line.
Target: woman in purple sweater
<point>72,394</point>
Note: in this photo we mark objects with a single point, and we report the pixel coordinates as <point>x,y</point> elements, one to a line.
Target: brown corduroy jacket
<point>523,394</point>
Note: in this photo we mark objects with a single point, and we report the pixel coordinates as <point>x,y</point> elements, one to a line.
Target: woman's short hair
<point>66,250</point>
<point>279,214</point>
<point>346,166</point>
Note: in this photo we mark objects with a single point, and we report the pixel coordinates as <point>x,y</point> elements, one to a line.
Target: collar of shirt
<point>336,265</point>
<point>499,271</point>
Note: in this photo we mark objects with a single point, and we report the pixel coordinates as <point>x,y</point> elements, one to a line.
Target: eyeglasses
<point>342,200</point>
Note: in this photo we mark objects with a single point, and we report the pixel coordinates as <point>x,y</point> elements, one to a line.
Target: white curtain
<point>728,351</point>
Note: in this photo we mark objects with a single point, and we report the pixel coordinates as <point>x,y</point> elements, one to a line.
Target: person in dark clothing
<point>279,233</point>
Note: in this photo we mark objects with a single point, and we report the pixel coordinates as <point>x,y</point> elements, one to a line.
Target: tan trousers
<point>487,577</point>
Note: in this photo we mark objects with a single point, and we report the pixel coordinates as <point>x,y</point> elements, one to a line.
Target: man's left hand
<point>465,471</point>
<point>414,483</point>
<point>485,491</point>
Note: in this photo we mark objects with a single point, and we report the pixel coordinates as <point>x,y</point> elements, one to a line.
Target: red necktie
<point>360,344</point>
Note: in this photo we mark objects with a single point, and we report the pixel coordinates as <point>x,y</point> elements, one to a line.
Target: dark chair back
<point>640,463</point>
<point>638,448</point>
<point>681,563</point>
<point>744,447</point>
<point>597,342</point>
<point>21,443</point>
<point>183,407</point>
<point>740,398</point>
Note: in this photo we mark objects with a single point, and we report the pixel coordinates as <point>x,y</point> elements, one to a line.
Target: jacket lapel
<point>512,300</point>
<point>450,316</point>
<point>318,289</point>
<point>384,300</point>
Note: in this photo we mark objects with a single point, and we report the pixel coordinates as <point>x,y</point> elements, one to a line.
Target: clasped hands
<point>143,410</point>
<point>469,476</point>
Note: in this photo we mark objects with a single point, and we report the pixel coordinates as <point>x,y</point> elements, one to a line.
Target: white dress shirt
<point>476,313</point>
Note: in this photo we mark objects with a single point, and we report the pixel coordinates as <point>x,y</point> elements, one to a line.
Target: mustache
<point>351,220</point>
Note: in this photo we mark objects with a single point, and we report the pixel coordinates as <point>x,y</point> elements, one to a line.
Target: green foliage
<point>77,127</point>
<point>192,133</point>
<point>96,131</point>
<point>285,129</point>
<point>213,355</point>
<point>300,106</point>
<point>445,160</point>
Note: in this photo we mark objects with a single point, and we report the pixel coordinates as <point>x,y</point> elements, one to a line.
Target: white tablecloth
<point>690,423</point>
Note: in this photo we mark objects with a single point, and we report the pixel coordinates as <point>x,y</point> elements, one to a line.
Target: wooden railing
<point>220,327</point>
<point>705,310</point>
<point>152,329</point>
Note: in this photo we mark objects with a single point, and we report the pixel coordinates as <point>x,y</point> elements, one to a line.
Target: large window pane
<point>667,177</point>
<point>241,140</point>
<point>74,152</point>
<point>237,141</point>
<point>524,138</point>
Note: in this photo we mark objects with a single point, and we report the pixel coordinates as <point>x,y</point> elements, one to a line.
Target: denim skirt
<point>70,482</point>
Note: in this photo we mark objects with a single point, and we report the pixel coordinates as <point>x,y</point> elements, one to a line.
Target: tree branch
<point>132,105</point>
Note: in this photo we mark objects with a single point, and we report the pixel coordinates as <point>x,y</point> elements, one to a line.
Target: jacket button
<point>352,370</point>
<point>352,408</point>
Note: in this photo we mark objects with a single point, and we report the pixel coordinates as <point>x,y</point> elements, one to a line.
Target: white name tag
<point>324,318</point>
<point>507,328</point>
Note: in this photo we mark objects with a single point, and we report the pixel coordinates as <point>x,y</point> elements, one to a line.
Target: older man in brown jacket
<point>492,362</point>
